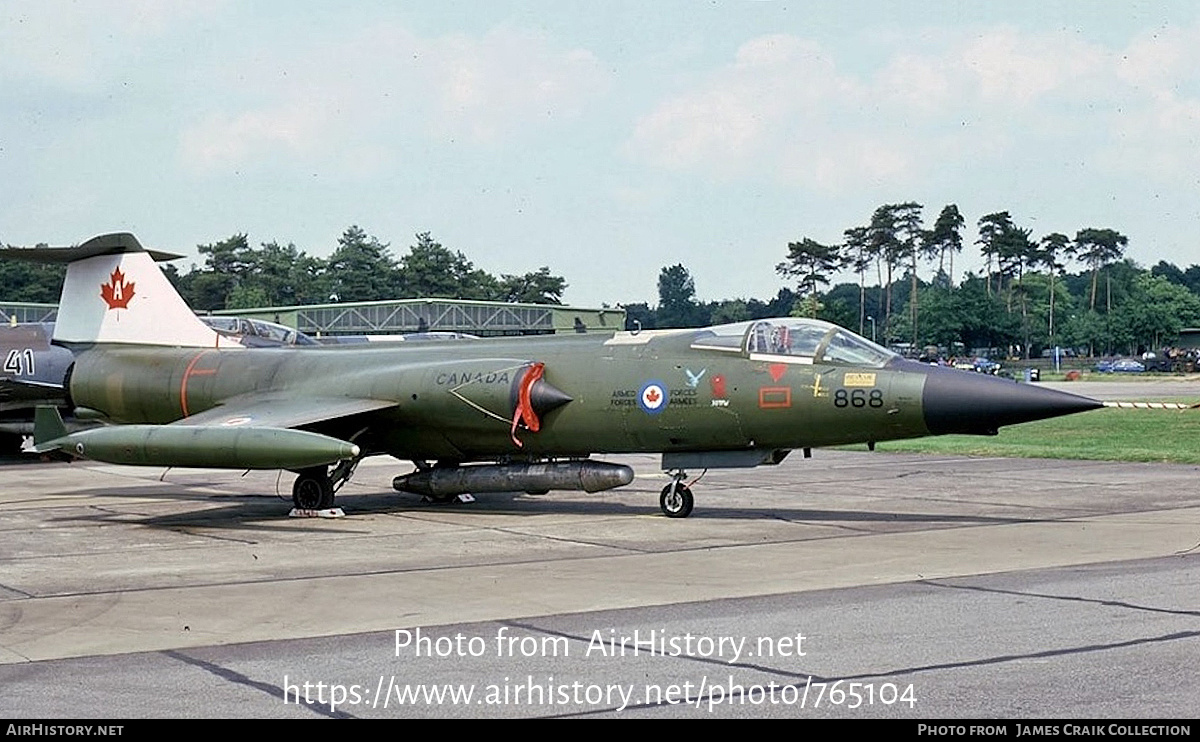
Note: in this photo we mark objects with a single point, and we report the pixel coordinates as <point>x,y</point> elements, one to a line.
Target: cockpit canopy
<point>257,332</point>
<point>802,340</point>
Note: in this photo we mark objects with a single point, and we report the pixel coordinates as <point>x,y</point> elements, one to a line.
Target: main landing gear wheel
<point>676,500</point>
<point>313,490</point>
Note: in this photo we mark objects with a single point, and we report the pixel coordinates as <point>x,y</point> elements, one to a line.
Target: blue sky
<point>603,139</point>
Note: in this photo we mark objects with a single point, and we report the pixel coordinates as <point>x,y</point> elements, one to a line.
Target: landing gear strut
<point>314,487</point>
<point>676,499</point>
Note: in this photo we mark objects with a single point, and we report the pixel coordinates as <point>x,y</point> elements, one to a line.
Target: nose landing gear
<point>676,500</point>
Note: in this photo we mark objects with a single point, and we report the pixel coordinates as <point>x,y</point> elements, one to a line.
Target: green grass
<point>1105,435</point>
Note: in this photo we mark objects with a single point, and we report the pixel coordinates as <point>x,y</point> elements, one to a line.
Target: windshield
<point>846,347</point>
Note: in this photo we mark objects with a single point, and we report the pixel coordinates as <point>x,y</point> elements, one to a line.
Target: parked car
<point>1157,362</point>
<point>980,364</point>
<point>1127,366</point>
<point>986,366</point>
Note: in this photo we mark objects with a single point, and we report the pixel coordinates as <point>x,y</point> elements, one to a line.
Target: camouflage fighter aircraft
<point>485,415</point>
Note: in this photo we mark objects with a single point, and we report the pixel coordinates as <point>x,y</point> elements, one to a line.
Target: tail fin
<point>114,293</point>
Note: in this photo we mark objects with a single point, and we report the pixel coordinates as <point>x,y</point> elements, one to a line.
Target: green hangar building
<point>483,318</point>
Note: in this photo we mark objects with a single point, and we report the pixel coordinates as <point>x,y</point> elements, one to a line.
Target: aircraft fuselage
<point>660,395</point>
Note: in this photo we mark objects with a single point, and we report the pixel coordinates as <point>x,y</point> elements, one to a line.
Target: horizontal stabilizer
<point>21,394</point>
<point>106,244</point>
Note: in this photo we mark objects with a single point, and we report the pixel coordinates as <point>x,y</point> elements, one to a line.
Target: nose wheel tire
<point>312,490</point>
<point>676,500</point>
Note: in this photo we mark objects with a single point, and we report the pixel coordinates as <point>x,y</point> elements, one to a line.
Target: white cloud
<point>1155,124</point>
<point>921,83</point>
<point>387,88</point>
<point>839,164</point>
<point>495,83</point>
<point>776,88</point>
<point>1011,68</point>
<point>1159,141</point>
<point>1161,59</point>
<point>79,45</point>
<point>221,140</point>
<point>784,109</point>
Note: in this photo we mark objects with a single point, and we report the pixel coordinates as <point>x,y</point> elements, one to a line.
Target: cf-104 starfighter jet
<point>486,415</point>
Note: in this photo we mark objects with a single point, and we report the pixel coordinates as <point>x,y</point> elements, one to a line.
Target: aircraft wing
<point>282,411</point>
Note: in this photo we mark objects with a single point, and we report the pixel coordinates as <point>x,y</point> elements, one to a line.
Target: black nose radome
<point>956,401</point>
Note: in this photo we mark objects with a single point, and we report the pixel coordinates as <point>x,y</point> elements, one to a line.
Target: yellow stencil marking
<point>858,379</point>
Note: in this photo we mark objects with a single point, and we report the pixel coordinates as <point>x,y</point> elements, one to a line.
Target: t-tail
<point>115,293</point>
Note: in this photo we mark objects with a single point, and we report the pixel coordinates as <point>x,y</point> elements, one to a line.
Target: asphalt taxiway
<point>938,586</point>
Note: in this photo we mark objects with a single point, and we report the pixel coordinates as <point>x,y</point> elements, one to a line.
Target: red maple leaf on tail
<point>116,293</point>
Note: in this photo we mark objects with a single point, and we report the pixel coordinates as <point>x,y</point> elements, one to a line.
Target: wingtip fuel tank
<point>204,446</point>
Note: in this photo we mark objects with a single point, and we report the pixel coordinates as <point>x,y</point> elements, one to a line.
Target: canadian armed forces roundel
<point>653,397</point>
